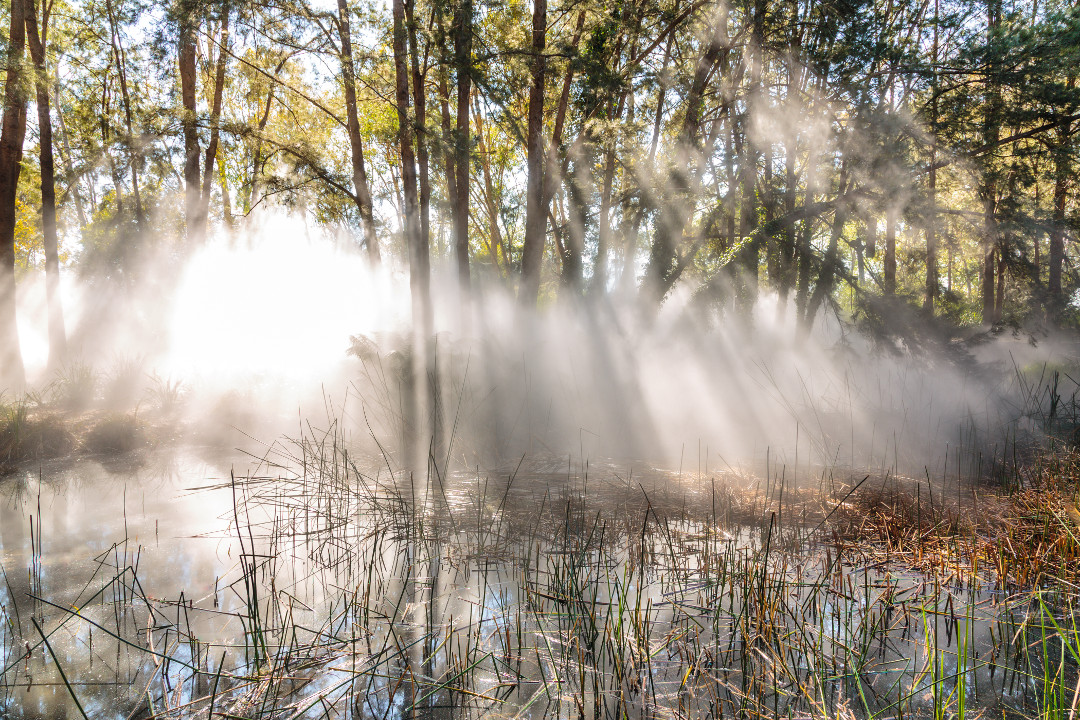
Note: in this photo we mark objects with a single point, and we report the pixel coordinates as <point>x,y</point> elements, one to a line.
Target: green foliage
<point>815,126</point>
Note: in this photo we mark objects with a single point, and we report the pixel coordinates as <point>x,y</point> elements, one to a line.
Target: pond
<point>317,583</point>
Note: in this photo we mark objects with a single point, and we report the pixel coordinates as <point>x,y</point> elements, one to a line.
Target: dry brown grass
<point>1018,539</point>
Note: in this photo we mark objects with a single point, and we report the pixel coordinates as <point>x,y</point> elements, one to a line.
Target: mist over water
<point>280,326</point>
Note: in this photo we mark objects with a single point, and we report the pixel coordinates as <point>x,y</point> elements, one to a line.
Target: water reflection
<point>93,538</point>
<point>183,585</point>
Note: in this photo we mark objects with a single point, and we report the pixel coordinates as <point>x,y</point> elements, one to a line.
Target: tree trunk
<point>570,281</point>
<point>890,251</point>
<point>420,106</point>
<point>554,171</point>
<point>931,223</point>
<point>665,264</point>
<point>989,245</point>
<point>999,298</point>
<point>252,193</point>
<point>1057,236</point>
<point>495,239</point>
<point>134,155</point>
<point>463,64</point>
<point>419,260</point>
<point>192,176</point>
<point>106,135</point>
<point>215,120</point>
<point>532,253</point>
<point>831,264</point>
<point>57,333</point>
<point>226,201</point>
<point>12,132</point>
<point>1063,171</point>
<point>603,230</point>
<point>446,144</point>
<point>750,254</point>
<point>991,133</point>
<point>787,248</point>
<point>931,239</point>
<point>72,178</point>
<point>631,244</point>
<point>356,145</point>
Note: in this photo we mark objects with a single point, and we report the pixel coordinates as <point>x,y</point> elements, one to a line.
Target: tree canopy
<point>890,160</point>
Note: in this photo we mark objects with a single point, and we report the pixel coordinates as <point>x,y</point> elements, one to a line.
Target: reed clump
<point>26,435</point>
<point>115,433</point>
<point>35,433</point>
<point>1023,535</point>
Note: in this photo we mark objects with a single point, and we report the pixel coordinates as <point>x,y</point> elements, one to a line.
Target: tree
<point>356,145</point>
<point>12,132</point>
<point>462,31</point>
<point>532,252</point>
<point>187,27</point>
<point>38,42</point>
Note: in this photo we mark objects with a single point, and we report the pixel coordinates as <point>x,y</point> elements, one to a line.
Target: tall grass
<point>359,591</point>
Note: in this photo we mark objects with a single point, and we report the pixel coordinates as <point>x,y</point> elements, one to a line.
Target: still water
<point>192,582</point>
<point>67,529</point>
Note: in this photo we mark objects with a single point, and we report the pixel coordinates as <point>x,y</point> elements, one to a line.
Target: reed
<point>363,591</point>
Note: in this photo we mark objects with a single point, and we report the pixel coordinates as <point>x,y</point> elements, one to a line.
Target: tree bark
<point>991,134</point>
<point>106,139</point>
<point>645,178</point>
<point>422,381</point>
<point>1063,171</point>
<point>356,144</point>
<point>603,230</point>
<point>532,253</point>
<point>931,242</point>
<point>419,260</point>
<point>134,154</point>
<point>931,222</point>
<point>989,246</point>
<point>554,171</point>
<point>12,133</point>
<point>463,63</point>
<point>890,251</point>
<point>446,140</point>
<point>831,263</point>
<point>999,298</point>
<point>251,196</point>
<point>215,121</point>
<point>192,176</point>
<point>576,187</point>
<point>36,41</point>
<point>420,108</point>
<point>251,192</point>
<point>1057,236</point>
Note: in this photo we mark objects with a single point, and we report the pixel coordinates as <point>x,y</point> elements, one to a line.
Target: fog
<point>260,333</point>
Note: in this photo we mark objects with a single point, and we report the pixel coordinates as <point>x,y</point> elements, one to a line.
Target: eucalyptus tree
<point>361,189</point>
<point>37,36</point>
<point>535,213</point>
<point>463,67</point>
<point>191,17</point>
<point>12,132</point>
